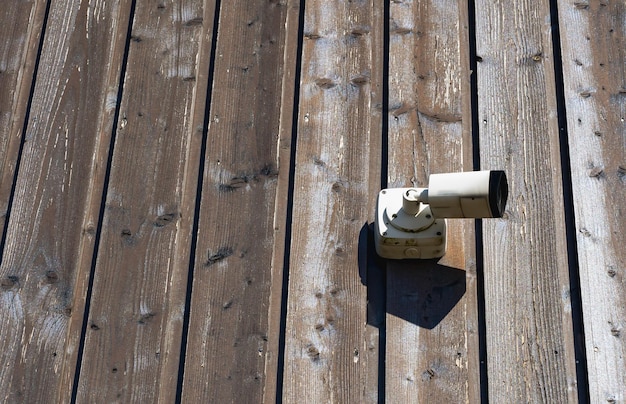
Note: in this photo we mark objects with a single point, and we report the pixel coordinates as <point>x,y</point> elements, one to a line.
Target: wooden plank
<point>528,311</point>
<point>593,37</point>
<point>229,325</point>
<point>373,278</point>
<point>273,385</point>
<point>21,27</point>
<point>47,256</point>
<point>431,306</point>
<point>327,339</point>
<point>132,343</point>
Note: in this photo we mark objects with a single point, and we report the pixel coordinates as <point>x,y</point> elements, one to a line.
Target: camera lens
<point>498,192</point>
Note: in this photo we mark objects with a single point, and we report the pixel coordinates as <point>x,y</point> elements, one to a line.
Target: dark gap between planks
<point>289,218</point>
<point>107,176</point>
<point>382,278</point>
<point>478,228</point>
<point>24,130</point>
<point>198,203</point>
<point>580,356</point>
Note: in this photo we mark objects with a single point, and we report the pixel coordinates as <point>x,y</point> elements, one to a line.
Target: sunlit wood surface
<point>188,189</point>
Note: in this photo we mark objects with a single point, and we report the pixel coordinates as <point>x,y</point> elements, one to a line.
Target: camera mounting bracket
<point>406,227</point>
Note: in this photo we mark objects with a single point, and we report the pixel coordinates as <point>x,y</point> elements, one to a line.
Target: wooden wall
<point>188,189</point>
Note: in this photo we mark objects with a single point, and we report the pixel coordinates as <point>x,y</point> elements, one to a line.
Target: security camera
<point>410,222</point>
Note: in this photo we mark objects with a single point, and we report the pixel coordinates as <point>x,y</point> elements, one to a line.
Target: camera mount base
<point>405,226</point>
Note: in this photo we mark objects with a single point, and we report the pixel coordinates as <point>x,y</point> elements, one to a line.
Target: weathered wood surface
<point>20,29</point>
<point>274,354</point>
<point>337,153</point>
<point>211,196</point>
<point>229,326</point>
<point>49,242</point>
<point>431,306</point>
<point>133,335</point>
<point>528,312</point>
<point>594,72</point>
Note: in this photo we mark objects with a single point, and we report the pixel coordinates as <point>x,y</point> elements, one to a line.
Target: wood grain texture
<point>272,391</point>
<point>228,333</point>
<point>374,276</point>
<point>47,237</point>
<point>431,306</point>
<point>338,310</point>
<point>593,37</point>
<point>21,27</point>
<point>528,312</point>
<point>326,333</point>
<point>133,336</point>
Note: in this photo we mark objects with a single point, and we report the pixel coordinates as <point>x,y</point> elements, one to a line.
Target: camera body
<point>410,222</point>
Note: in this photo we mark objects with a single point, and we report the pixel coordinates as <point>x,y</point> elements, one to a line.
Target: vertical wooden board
<point>431,306</point>
<point>271,391</point>
<point>474,299</point>
<point>373,275</point>
<point>593,37</point>
<point>132,344</point>
<point>228,332</point>
<point>50,230</point>
<point>528,312</point>
<point>21,28</point>
<point>327,338</point>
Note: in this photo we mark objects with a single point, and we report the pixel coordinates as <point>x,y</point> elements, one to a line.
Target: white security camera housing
<point>410,222</point>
